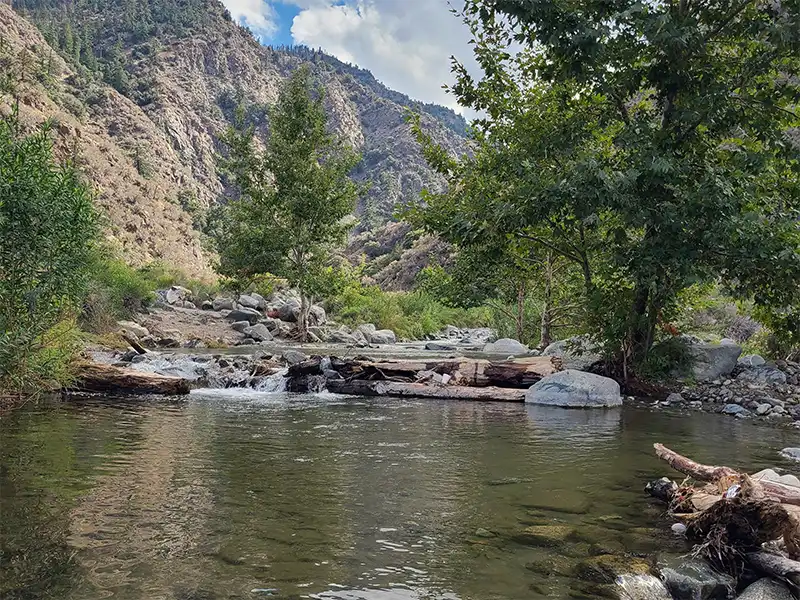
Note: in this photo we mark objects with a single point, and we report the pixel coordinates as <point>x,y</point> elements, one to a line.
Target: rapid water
<point>244,495</point>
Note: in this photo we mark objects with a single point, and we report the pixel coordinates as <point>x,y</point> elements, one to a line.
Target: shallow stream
<point>230,494</point>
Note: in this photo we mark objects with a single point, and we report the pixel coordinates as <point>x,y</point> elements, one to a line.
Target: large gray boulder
<point>289,311</point>
<point>577,353</point>
<point>712,361</point>
<point>766,589</point>
<point>250,315</point>
<point>381,336</point>
<point>131,327</point>
<point>259,333</point>
<point>575,389</point>
<point>506,347</point>
<point>249,301</point>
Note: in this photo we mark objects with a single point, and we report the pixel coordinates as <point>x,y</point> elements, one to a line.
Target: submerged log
<point>420,390</point>
<point>97,377</point>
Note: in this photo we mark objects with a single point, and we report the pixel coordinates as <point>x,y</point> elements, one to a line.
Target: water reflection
<point>231,496</point>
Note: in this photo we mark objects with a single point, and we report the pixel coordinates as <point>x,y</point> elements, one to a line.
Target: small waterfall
<point>272,383</point>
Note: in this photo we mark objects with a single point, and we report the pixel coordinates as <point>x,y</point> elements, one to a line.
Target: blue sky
<point>407,44</point>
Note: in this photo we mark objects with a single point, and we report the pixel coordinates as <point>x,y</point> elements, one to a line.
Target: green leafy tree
<point>296,196</point>
<point>48,227</point>
<point>649,143</point>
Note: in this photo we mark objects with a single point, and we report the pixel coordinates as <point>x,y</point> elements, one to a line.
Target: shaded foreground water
<point>227,495</point>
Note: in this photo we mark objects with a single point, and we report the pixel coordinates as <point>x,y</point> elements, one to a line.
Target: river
<point>227,494</point>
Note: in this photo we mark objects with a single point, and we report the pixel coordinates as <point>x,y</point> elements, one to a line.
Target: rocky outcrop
<point>575,389</point>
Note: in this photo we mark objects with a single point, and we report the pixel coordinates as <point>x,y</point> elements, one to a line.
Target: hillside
<point>175,72</point>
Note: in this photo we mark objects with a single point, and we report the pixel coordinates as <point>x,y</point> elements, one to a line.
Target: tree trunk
<point>97,377</point>
<point>545,337</point>
<point>520,311</point>
<point>302,319</point>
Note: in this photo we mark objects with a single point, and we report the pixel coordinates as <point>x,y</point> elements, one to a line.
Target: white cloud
<point>406,44</point>
<point>258,15</point>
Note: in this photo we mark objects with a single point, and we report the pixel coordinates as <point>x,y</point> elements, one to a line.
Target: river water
<point>228,494</point>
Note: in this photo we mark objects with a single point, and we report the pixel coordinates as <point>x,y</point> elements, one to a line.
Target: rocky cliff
<point>157,82</point>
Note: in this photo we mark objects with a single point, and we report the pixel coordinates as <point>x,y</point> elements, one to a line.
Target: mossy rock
<point>546,535</point>
<point>605,568</point>
<point>552,566</point>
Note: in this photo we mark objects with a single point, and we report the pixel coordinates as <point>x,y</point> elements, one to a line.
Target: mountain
<point>155,83</point>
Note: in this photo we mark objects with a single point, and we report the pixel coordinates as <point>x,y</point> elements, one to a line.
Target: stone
<point>791,453</point>
<point>222,303</point>
<point>712,361</point>
<point>752,360</point>
<point>607,567</point>
<point>240,326</point>
<point>575,353</point>
<point>317,315</point>
<point>547,535</point>
<point>341,337</point>
<point>763,409</point>
<point>451,331</point>
<point>734,409</point>
<point>693,579</point>
<point>293,357</point>
<point>766,589</point>
<point>762,375</point>
<point>207,305</point>
<point>250,315</point>
<point>678,529</point>
<point>289,312</point>
<point>674,399</point>
<point>249,301</point>
<point>382,337</point>
<point>575,389</point>
<point>641,587</point>
<point>259,333</point>
<point>367,328</point>
<point>774,477</point>
<point>131,327</point>
<point>506,347</point>
<point>262,302</point>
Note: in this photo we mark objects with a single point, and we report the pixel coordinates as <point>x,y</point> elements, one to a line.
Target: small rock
<point>762,376</point>
<point>607,567</point>
<point>207,305</point>
<point>240,326</point>
<point>678,529</point>
<point>734,409</point>
<point>483,533</point>
<point>763,409</point>
<point>752,360</point>
<point>222,303</point>
<point>695,580</point>
<point>249,301</point>
<point>130,327</point>
<point>294,357</point>
<point>791,453</point>
<point>259,332</point>
<point>674,399</point>
<point>250,315</point>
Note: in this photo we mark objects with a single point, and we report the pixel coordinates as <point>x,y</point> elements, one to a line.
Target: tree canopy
<point>653,144</point>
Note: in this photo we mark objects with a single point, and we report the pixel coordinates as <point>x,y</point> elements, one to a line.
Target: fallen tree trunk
<point>779,567</point>
<point>420,390</point>
<point>134,344</point>
<point>97,377</point>
<point>776,491</point>
<point>521,372</point>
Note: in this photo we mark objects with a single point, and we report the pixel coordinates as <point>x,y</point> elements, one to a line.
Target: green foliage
<point>639,143</point>
<point>667,360</point>
<point>295,195</point>
<point>48,227</point>
<point>116,291</point>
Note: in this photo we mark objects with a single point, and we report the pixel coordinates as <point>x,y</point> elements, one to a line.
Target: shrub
<point>48,228</point>
<point>116,291</point>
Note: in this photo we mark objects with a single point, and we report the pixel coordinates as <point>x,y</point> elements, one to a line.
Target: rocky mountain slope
<point>171,74</point>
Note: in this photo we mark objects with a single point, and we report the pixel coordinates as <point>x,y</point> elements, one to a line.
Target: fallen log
<point>134,344</point>
<point>520,372</point>
<point>785,494</point>
<point>419,390</point>
<point>776,566</point>
<point>97,377</point>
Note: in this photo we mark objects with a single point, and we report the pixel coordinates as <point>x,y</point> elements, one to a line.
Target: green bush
<point>48,228</point>
<point>116,291</point>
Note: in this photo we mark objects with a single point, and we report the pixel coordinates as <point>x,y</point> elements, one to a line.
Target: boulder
<point>250,315</point>
<point>575,389</point>
<point>763,409</point>
<point>259,332</point>
<point>752,360</point>
<point>734,409</point>
<point>130,327</point>
<point>762,375</point>
<point>207,305</point>
<point>272,324</point>
<point>694,580</point>
<point>605,568</point>
<point>289,311</point>
<point>222,303</point>
<point>177,294</point>
<point>341,337</point>
<point>382,337</point>
<point>712,361</point>
<point>240,326</point>
<point>367,329</point>
<point>262,302</point>
<point>506,347</point>
<point>577,353</point>
<point>293,357</point>
<point>774,477</point>
<point>249,301</point>
<point>317,315</point>
<point>766,589</point>
<point>791,453</point>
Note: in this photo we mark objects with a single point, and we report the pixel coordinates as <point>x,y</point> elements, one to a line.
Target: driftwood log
<point>398,389</point>
<point>97,377</point>
<point>776,566</point>
<point>519,373</point>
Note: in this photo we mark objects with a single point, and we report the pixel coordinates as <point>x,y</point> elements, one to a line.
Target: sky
<point>406,44</point>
